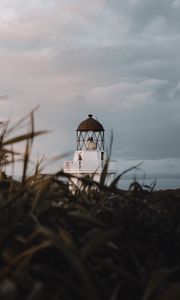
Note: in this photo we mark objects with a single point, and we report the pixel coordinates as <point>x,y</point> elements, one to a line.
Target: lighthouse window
<point>90,144</point>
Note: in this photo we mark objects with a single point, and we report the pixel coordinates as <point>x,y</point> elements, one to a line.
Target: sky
<point>116,59</point>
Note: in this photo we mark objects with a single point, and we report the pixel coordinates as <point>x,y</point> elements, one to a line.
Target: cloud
<point>176,4</point>
<point>4,97</point>
<point>143,14</point>
<point>125,95</point>
<point>59,24</point>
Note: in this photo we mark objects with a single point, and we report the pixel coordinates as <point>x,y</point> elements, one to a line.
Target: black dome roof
<point>90,124</point>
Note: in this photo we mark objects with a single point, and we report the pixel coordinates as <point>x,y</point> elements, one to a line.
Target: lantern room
<point>90,135</point>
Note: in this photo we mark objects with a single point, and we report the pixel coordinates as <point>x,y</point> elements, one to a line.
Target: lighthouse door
<point>102,155</point>
<point>80,160</point>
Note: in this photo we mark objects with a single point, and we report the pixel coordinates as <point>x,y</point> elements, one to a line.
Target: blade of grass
<point>32,126</point>
<point>99,240</point>
<point>155,282</point>
<point>4,131</point>
<point>21,121</point>
<point>75,262</point>
<point>173,293</point>
<point>26,254</point>
<point>115,181</point>
<point>7,151</point>
<point>41,189</point>
<point>25,161</point>
<point>24,137</point>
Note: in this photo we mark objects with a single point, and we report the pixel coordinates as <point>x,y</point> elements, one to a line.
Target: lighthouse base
<point>89,164</point>
<point>88,181</point>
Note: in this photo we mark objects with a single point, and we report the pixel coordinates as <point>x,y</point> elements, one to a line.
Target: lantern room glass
<point>90,140</point>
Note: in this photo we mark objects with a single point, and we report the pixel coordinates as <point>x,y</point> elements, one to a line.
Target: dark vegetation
<point>102,243</point>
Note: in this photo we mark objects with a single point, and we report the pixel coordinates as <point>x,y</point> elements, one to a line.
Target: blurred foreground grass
<point>93,244</point>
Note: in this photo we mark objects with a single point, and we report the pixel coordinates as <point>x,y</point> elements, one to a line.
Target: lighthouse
<point>90,155</point>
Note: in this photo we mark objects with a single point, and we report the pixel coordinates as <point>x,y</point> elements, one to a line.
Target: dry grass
<point>99,244</point>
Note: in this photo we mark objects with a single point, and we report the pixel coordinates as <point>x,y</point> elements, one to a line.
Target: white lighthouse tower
<point>90,155</point>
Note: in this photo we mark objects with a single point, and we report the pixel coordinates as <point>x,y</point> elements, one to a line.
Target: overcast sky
<point>116,59</point>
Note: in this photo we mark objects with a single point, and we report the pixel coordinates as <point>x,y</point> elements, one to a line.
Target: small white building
<point>90,155</point>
